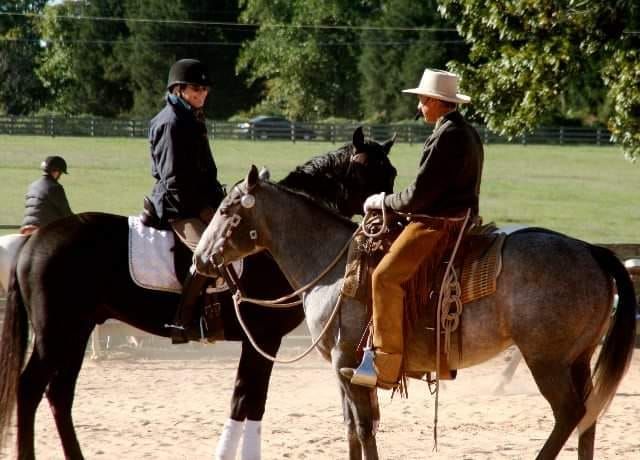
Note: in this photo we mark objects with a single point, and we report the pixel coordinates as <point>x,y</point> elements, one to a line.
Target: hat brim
<point>459,98</point>
<point>206,83</point>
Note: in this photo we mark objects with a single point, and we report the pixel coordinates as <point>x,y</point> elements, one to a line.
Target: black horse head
<point>346,177</point>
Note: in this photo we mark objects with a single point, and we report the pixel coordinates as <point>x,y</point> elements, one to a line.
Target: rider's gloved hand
<point>374,202</point>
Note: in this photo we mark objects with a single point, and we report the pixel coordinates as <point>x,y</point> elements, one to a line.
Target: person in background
<point>187,192</point>
<point>46,200</point>
<point>445,190</point>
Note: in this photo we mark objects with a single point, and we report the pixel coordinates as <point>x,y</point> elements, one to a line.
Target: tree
<point>21,91</point>
<point>526,55</point>
<point>112,57</point>
<point>306,54</point>
<point>394,57</point>
<point>144,53</point>
<point>79,67</point>
<point>184,29</point>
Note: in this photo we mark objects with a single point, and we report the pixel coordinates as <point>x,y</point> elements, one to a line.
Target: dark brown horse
<point>74,274</point>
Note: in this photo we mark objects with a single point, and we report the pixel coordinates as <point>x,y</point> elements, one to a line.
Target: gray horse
<point>553,301</point>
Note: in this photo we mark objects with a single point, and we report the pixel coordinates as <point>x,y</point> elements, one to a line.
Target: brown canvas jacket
<point>448,179</point>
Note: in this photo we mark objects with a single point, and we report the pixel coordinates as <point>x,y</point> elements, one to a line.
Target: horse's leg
<point>229,440</point>
<point>248,401</point>
<point>96,351</point>
<point>254,372</point>
<point>61,391</point>
<point>581,371</point>
<point>355,449</point>
<point>586,443</point>
<point>556,384</point>
<point>33,381</point>
<point>509,372</point>
<point>357,399</point>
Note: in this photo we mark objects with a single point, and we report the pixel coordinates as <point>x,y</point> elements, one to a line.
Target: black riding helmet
<point>188,72</point>
<point>54,163</point>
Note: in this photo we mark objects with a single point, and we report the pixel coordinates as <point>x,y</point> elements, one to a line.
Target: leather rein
<point>247,200</point>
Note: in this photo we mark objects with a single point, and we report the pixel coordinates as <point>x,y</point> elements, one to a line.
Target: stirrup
<point>365,374</point>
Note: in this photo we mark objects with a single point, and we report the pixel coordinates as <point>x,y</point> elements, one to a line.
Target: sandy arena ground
<point>132,407</point>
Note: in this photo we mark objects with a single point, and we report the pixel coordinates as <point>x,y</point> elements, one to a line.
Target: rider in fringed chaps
<point>446,187</point>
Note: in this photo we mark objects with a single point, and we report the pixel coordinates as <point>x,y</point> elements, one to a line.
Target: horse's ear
<point>252,178</point>
<point>358,138</point>
<point>389,143</point>
<point>264,174</point>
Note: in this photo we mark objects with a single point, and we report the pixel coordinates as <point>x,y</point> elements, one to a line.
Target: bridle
<point>247,200</point>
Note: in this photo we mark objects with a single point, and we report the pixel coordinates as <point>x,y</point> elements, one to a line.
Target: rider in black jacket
<point>46,200</point>
<point>187,192</point>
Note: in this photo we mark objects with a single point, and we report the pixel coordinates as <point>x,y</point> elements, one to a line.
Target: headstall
<point>247,200</point>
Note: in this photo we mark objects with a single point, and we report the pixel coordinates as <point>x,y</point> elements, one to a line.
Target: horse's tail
<point>617,349</point>
<point>13,347</point>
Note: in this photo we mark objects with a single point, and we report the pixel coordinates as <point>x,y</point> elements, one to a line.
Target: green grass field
<point>586,191</point>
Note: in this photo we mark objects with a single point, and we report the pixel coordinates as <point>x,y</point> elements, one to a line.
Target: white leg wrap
<point>251,440</point>
<point>229,440</point>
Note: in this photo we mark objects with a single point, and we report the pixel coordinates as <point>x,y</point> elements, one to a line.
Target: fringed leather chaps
<point>417,243</point>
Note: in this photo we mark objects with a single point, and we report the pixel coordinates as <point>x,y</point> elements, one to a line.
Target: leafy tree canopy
<point>308,72</point>
<point>526,55</point>
<point>404,38</point>
<point>20,89</point>
<point>184,30</point>
<point>78,66</point>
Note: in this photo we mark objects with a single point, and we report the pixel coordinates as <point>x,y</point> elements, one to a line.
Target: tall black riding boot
<point>191,289</point>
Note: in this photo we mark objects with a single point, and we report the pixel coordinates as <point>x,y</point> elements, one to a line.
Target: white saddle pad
<point>151,259</point>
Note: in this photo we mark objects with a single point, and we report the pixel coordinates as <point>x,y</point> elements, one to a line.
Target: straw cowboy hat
<point>439,84</point>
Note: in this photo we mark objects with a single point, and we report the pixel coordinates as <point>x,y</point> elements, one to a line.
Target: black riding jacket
<point>45,202</point>
<point>449,174</point>
<point>181,163</point>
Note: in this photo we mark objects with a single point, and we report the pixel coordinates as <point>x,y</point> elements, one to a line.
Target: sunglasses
<point>199,88</point>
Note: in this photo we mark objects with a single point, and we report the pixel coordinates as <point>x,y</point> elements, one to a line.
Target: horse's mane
<point>316,202</point>
<point>323,177</point>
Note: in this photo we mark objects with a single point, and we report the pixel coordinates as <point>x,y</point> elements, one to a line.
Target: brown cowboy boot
<point>191,289</point>
<point>388,367</point>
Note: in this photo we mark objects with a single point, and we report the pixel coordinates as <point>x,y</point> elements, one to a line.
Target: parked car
<point>273,127</point>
